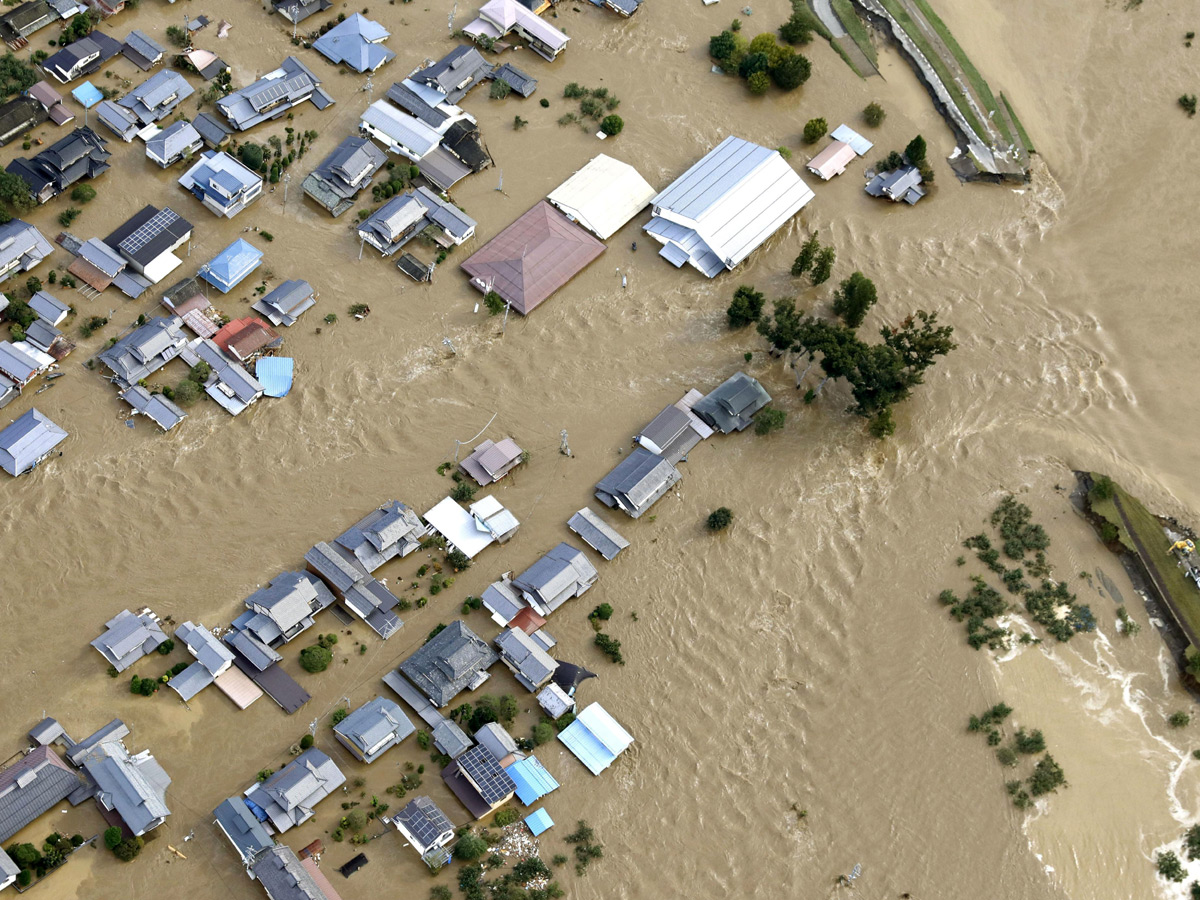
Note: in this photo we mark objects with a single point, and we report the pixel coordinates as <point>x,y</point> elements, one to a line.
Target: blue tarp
<point>87,94</point>
<point>532,780</point>
<point>539,821</point>
<point>275,375</point>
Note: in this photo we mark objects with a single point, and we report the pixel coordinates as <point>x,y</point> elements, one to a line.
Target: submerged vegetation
<point>1046,776</point>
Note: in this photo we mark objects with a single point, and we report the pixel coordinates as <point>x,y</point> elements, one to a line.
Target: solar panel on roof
<point>493,783</point>
<point>267,95</point>
<point>149,230</point>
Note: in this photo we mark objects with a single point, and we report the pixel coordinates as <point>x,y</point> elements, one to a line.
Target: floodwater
<point>797,662</point>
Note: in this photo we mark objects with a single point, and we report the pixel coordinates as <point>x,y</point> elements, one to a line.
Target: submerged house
<point>82,57</point>
<point>427,829</point>
<point>390,532</point>
<point>49,308</point>
<point>530,664</point>
<point>373,729</point>
<point>675,431</point>
<point>455,74</point>
<point>127,638</point>
<point>19,116</point>
<point>157,97</point>
<point>899,184</point>
<point>289,797</point>
<point>284,876</point>
<point>603,196</point>
<point>229,267</point>
<point>287,302</point>
<point>246,340</point>
<point>142,50</point>
<point>731,406</point>
<point>637,482</point>
<point>79,155</point>
<point>19,23</point>
<point>52,102</point>
<point>284,608</point>
<point>596,738</point>
<point>179,140</point>
<point>498,18</point>
<point>597,533</point>
<point>720,210</point>
<point>147,241</point>
<point>562,574</point>
<point>452,661</point>
<point>212,660</point>
<point>27,441</point>
<point>344,173</point>
<point>296,11</point>
<point>32,786</point>
<point>417,212</point>
<point>222,183</point>
<point>356,43</point>
<point>22,247</point>
<point>229,383</point>
<point>491,461</point>
<point>350,583</point>
<point>479,781</point>
<point>532,258</point>
<point>832,161</point>
<point>156,407</point>
<point>249,836</point>
<point>130,788</point>
<point>144,351</point>
<point>273,95</point>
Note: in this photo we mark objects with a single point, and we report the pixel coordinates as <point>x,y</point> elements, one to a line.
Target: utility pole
<point>449,344</point>
<point>370,86</point>
<point>286,178</point>
<point>295,11</point>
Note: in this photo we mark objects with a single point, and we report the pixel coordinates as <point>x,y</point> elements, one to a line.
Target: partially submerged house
<point>675,431</point>
<point>597,533</point>
<point>284,608</point>
<point>229,383</point>
<point>532,258</point>
<point>390,532</point>
<point>495,738</point>
<point>832,161</point>
<point>52,102</point>
<point>249,836</point>
<point>453,660</point>
<point>479,781</point>
<point>486,522</point>
<point>399,133</point>
<point>144,351</point>
<point>155,407</point>
<point>518,81</point>
<point>448,738</point>
<point>179,140</point>
<point>899,184</point>
<point>284,876</point>
<point>532,780</point>
<point>228,268</point>
<point>98,266</point>
<point>350,583</point>
<point>131,789</point>
<point>46,338</point>
<point>491,461</point>
<point>596,738</point>
<point>18,116</point>
<point>498,18</point>
<point>455,74</point>
<point>156,97</point>
<point>222,183</point>
<point>289,797</point>
<point>213,659</point>
<point>20,22</point>
<point>414,213</point>
<point>49,308</point>
<point>20,363</point>
<point>22,247</point>
<point>848,135</point>
<point>427,829</point>
<point>127,638</point>
<point>212,131</point>
<point>344,173</point>
<point>32,786</point>
<point>725,206</point>
<point>142,50</point>
<point>296,11</point>
<point>247,339</point>
<point>287,302</point>
<point>79,155</point>
<point>147,241</point>
<point>562,574</point>
<point>603,196</point>
<point>356,43</point>
<point>731,406</point>
<point>637,482</point>
<point>373,729</point>
<point>82,57</point>
<point>530,664</point>
<point>273,95</point>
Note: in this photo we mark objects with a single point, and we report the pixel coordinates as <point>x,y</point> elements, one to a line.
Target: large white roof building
<point>603,195</point>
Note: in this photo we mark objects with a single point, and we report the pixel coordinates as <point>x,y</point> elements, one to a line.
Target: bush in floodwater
<point>720,519</point>
<point>610,647</point>
<point>612,125</point>
<point>470,846</point>
<point>1169,866</point>
<point>494,303</point>
<point>1047,777</point>
<point>1007,756</point>
<point>874,114</point>
<point>1029,741</point>
<point>315,659</point>
<point>1179,719</point>
<point>1188,102</point>
<point>463,492</point>
<point>746,308</point>
<point>814,130</point>
<point>769,419</point>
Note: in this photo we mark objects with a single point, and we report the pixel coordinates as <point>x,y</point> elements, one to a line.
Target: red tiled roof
<point>527,620</point>
<point>533,257</point>
<point>242,337</point>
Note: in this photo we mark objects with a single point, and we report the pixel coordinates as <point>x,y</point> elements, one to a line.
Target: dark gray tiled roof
<point>31,787</point>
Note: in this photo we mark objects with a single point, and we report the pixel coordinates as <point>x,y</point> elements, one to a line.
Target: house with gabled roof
<point>22,247</point>
<point>249,836</point>
<point>79,155</point>
<point>273,95</point>
<point>597,533</point>
<point>156,407</point>
<point>603,195</point>
<point>562,574</point>
<point>479,781</point>
<point>731,406</point>
<point>416,212</point>
<point>20,22</point>
<point>18,116</point>
<point>52,102</point>
<point>637,482</point>
<point>157,97</point>
<point>142,50</point>
<point>229,382</point>
<point>675,431</point>
<point>81,57</point>
<point>144,351</point>
<point>32,786</point>
<point>285,607</point>
<point>498,18</point>
<point>147,241</point>
<point>131,788</point>
<point>455,74</point>
<point>344,173</point>
<point>350,582</point>
<point>374,728</point>
<point>596,738</point>
<point>284,876</point>
<point>899,184</point>
<point>213,659</point>
<point>222,183</point>
<point>287,302</point>
<point>390,532</point>
<point>179,140</point>
<point>27,441</point>
<point>49,308</point>
<point>296,11</point>
<point>128,637</point>
<point>289,797</point>
<point>491,461</point>
<point>356,43</point>
<point>449,663</point>
<point>530,664</point>
<point>427,829</point>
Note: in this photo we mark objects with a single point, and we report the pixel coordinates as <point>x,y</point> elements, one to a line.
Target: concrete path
<point>828,17</point>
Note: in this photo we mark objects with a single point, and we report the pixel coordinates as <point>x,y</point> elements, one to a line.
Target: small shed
<point>832,160</point>
<point>596,738</point>
<point>597,533</point>
<point>539,821</point>
<point>532,780</point>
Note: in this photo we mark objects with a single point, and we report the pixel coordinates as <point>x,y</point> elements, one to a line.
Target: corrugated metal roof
<point>845,133</point>
<point>603,195</point>
<point>539,821</point>
<point>597,533</point>
<point>595,738</point>
<point>29,439</point>
<point>532,780</point>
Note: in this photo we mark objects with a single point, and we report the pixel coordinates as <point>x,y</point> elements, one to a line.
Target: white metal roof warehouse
<point>722,208</point>
<point>603,195</point>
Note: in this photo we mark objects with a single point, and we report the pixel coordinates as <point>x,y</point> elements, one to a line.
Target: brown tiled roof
<point>527,620</point>
<point>533,257</point>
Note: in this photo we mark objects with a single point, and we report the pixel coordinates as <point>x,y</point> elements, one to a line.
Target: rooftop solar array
<point>493,783</point>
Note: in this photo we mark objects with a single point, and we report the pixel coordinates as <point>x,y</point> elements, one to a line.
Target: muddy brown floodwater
<point>798,661</point>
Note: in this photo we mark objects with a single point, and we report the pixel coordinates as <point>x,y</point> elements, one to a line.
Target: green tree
<point>794,31</point>
<point>753,62</point>
<point>440,892</point>
<point>112,837</point>
<point>782,327</point>
<point>499,90</point>
<point>612,125</point>
<point>507,709</point>
<point>791,71</point>
<point>919,340</point>
<point>1180,719</point>
<point>603,612</point>
<point>494,303</point>
<point>823,267</point>
<point>505,817</point>
<point>874,114</point>
<point>355,820</point>
<point>853,298</point>
<point>769,419</point>
<point>81,26</point>
<point>26,855</point>
<point>14,191</point>
<point>882,425</point>
<point>315,659</point>
<point>610,647</point>
<point>463,492</point>
<point>720,519</point>
<point>723,45</point>
<point>766,44</point>
<point>808,255</point>
<point>746,307</point>
<point>470,846</point>
<point>1169,866</point>
<point>1102,488</point>
<point>758,83</point>
<point>915,151</point>
<point>543,733</point>
<point>177,36</point>
<point>83,193</point>
<point>187,392</point>
<point>814,130</point>
<point>127,851</point>
<point>251,156</point>
<point>1047,777</point>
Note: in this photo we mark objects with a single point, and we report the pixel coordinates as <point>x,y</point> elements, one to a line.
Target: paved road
<point>827,16</point>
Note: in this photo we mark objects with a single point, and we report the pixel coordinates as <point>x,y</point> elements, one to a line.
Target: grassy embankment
<point>1180,594</point>
<point>802,12</point>
<point>856,28</point>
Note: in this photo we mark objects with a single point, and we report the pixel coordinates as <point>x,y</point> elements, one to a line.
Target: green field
<point>856,28</point>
